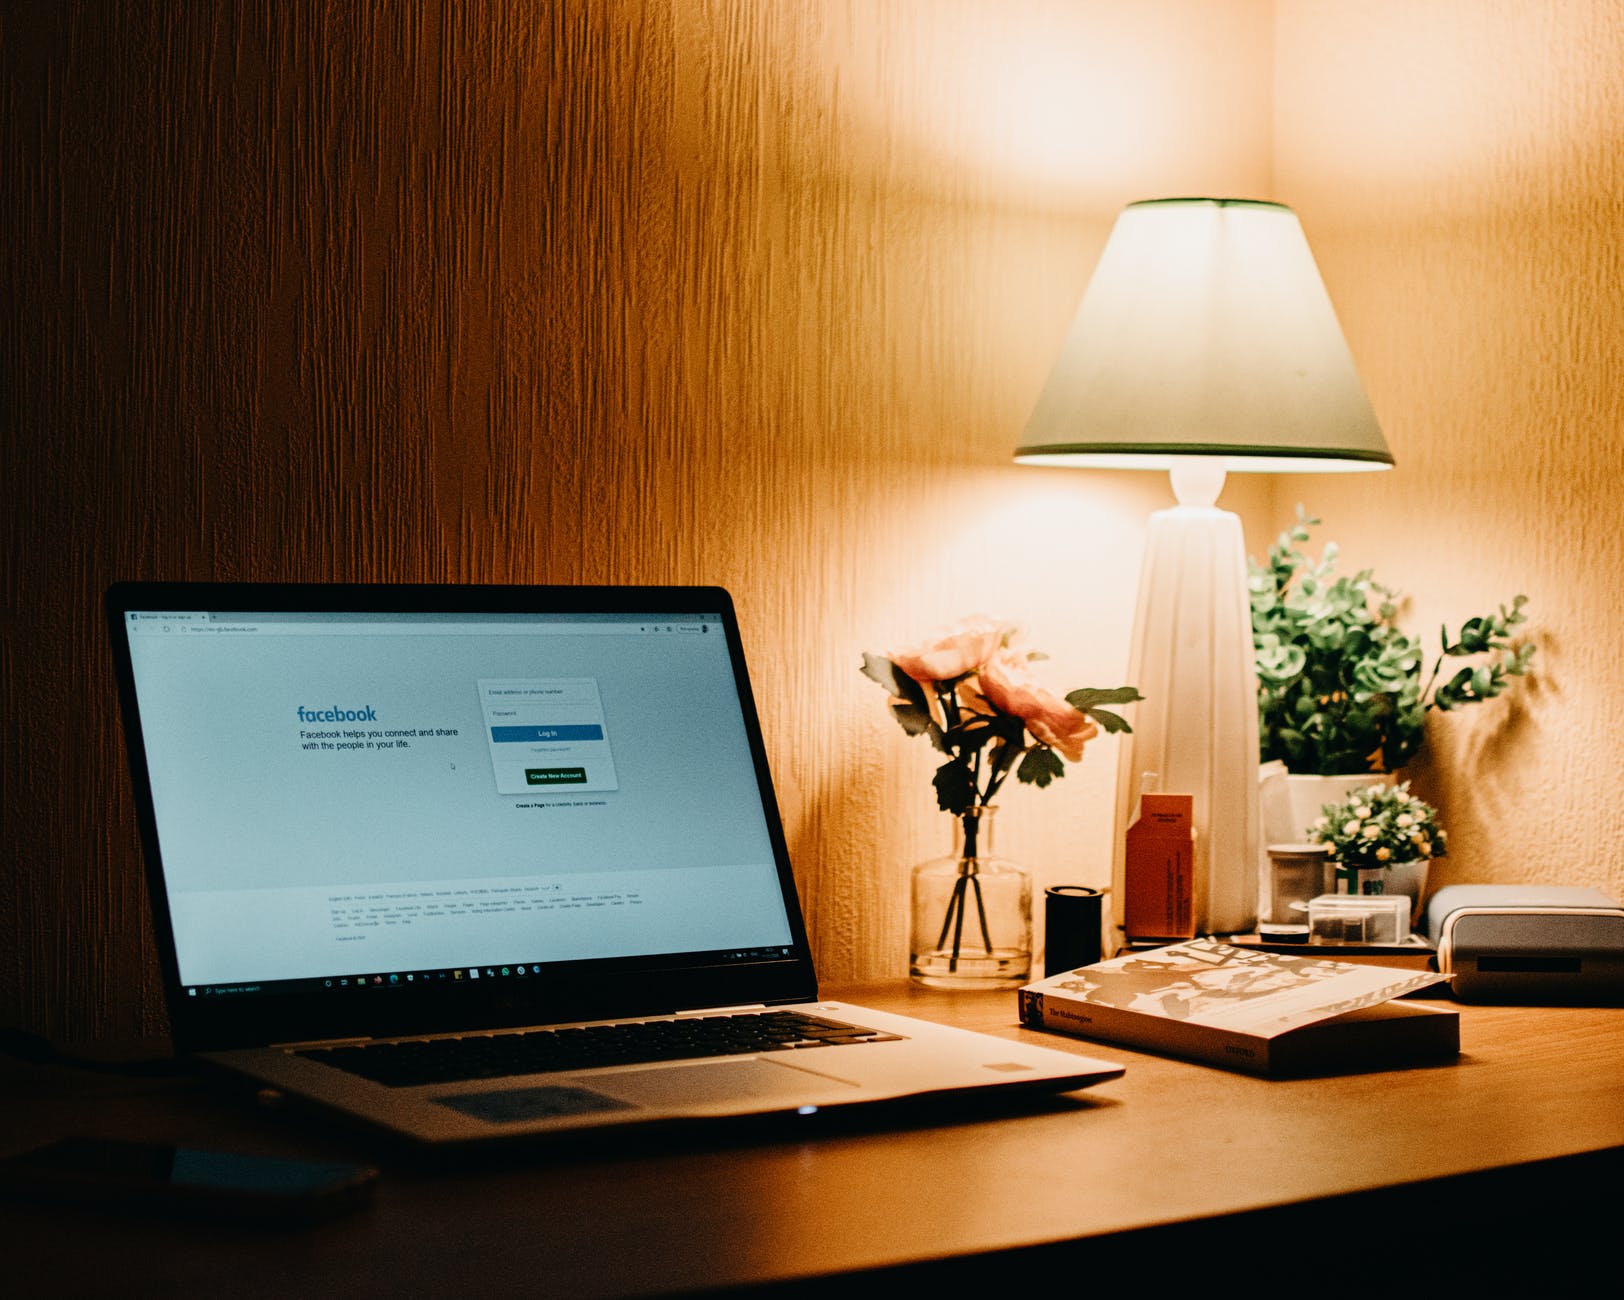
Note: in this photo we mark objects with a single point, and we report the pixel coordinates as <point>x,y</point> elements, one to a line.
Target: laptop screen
<point>347,800</point>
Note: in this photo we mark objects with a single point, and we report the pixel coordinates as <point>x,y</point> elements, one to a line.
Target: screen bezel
<point>564,991</point>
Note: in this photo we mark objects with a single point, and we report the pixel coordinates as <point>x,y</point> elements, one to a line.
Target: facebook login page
<point>345,793</point>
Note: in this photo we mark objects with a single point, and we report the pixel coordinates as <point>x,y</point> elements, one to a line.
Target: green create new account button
<point>555,775</point>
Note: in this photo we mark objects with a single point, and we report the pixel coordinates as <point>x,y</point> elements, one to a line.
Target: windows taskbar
<point>448,975</point>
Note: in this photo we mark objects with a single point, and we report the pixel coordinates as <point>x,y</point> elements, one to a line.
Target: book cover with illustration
<point>1249,1010</point>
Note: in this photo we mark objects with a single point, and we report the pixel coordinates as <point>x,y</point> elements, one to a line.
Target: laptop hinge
<point>722,1011</point>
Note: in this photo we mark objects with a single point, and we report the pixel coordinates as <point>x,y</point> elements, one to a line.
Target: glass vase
<point>971,915</point>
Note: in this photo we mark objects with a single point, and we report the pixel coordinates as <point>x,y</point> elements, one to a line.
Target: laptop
<point>469,864</point>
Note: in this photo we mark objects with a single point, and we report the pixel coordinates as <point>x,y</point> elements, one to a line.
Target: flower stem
<point>958,923</point>
<point>981,915</point>
<point>969,879</point>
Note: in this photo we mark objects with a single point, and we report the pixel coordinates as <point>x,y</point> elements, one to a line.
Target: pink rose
<point>1009,684</point>
<point>971,697</point>
<point>956,650</point>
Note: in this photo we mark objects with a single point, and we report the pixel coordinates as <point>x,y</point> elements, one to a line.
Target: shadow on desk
<point>1551,1225</point>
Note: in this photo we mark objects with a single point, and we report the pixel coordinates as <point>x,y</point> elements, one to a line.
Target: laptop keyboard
<point>493,1056</point>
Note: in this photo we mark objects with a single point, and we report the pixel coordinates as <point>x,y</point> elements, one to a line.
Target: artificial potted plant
<point>1343,691</point>
<point>1381,840</point>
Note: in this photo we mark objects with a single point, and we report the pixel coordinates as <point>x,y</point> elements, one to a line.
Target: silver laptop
<point>475,863</point>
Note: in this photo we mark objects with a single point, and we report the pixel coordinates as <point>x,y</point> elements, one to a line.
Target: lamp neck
<point>1197,480</point>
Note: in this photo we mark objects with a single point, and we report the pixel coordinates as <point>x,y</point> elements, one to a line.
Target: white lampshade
<point>1205,331</point>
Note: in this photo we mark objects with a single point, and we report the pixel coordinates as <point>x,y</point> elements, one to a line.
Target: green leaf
<point>1003,758</point>
<point>1086,698</point>
<point>908,704</point>
<point>1040,766</point>
<point>1108,722</point>
<point>878,668</point>
<point>913,719</point>
<point>955,786</point>
<point>973,733</point>
<point>1456,691</point>
<point>1087,701</point>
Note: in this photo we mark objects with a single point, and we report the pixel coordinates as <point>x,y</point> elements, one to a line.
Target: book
<point>1250,1010</point>
<point>1415,952</point>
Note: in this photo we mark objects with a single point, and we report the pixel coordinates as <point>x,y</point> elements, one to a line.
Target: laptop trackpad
<point>713,1083</point>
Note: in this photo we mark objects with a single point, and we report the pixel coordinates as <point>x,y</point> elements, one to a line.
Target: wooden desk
<point>1174,1172</point>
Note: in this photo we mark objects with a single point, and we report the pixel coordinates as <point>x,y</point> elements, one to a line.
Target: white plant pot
<point>1409,878</point>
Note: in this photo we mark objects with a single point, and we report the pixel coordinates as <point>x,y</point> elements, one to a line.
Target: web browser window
<point>342,793</point>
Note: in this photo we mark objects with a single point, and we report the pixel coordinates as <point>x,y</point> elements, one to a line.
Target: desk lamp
<point>1205,344</point>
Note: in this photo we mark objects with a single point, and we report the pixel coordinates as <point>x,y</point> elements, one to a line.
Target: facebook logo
<point>336,714</point>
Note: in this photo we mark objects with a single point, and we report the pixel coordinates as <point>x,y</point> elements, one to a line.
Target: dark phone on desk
<point>185,1180</point>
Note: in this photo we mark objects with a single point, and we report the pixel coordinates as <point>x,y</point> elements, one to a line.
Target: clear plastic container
<point>1358,918</point>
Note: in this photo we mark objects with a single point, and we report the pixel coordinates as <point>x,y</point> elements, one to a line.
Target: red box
<point>1159,871</point>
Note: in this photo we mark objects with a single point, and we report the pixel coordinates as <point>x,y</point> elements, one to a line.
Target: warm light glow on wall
<point>1462,164</point>
<point>1052,104</point>
<point>1447,94</point>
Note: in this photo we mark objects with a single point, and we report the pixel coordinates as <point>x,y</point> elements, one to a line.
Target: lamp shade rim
<point>1262,457</point>
<point>1186,200</point>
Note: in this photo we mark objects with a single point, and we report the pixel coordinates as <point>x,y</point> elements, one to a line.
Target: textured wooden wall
<point>761,294</point>
<point>1460,165</point>
<point>737,292</point>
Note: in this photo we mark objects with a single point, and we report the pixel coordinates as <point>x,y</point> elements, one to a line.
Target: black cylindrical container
<point>1072,917</point>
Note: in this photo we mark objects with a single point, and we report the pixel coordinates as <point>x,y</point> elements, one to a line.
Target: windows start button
<point>555,775</point>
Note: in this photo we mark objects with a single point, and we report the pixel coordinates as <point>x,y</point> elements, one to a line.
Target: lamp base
<point>1195,731</point>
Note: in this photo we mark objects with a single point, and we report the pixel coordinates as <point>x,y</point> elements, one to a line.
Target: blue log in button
<point>518,735</point>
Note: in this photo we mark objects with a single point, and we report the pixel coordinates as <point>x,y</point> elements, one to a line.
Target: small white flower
<point>1404,819</point>
<point>1359,810</point>
<point>1352,828</point>
<point>1372,831</point>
